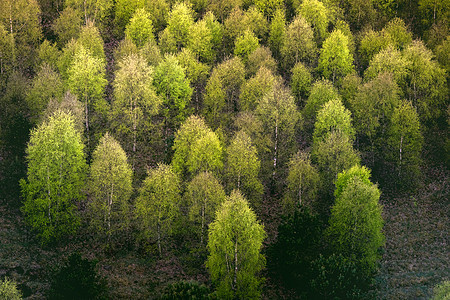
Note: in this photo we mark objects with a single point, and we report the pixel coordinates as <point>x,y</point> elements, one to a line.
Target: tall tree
<point>204,195</point>
<point>315,12</point>
<point>335,59</point>
<point>173,87</point>
<point>245,44</point>
<point>134,103</point>
<point>404,145</point>
<point>140,28</point>
<point>255,88</point>
<point>356,224</point>
<point>92,11</point>
<point>280,118</point>
<point>277,33</point>
<point>235,241</point>
<point>55,178</point>
<point>67,26</point>
<point>179,23</point>
<point>299,44</point>
<point>157,205</point>
<point>201,40</point>
<point>87,81</point>
<point>302,184</point>
<point>243,166</point>
<point>110,190</point>
<point>301,82</point>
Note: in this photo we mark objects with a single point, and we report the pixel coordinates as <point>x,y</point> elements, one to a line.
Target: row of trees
<point>284,101</point>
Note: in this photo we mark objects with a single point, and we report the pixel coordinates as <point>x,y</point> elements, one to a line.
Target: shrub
<point>9,291</point>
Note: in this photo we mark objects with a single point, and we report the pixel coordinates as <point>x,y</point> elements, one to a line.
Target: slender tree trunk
<point>10,16</point>
<point>400,152</point>
<point>159,239</point>
<point>86,111</point>
<point>235,265</point>
<point>275,150</point>
<point>49,195</point>
<point>109,212</point>
<point>203,222</point>
<point>85,13</point>
<point>300,190</point>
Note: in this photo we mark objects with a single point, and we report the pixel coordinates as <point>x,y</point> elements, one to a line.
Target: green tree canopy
<point>157,206</point>
<point>356,223</point>
<point>243,166</point>
<point>204,195</point>
<point>299,44</point>
<point>110,189</point>
<point>92,11</point>
<point>173,87</point>
<point>316,14</point>
<point>179,23</point>
<point>333,116</point>
<point>301,82</point>
<point>67,26</point>
<point>302,183</point>
<point>277,33</point>
<point>201,40</point>
<point>245,44</point>
<point>255,88</point>
<point>335,59</point>
<point>260,58</point>
<point>55,178</point>
<point>140,28</point>
<point>234,244</point>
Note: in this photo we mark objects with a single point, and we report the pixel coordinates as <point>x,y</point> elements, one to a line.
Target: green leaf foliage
<point>302,184</point>
<point>260,58</point>
<point>243,167</point>
<point>245,44</point>
<point>173,87</point>
<point>355,225</point>
<point>301,82</point>
<point>204,195</point>
<point>55,178</point>
<point>256,88</point>
<point>277,32</point>
<point>234,244</point>
<point>8,290</point>
<point>316,14</point>
<point>335,59</point>
<point>140,28</point>
<point>67,26</point>
<point>333,116</point>
<point>157,206</point>
<point>110,189</point>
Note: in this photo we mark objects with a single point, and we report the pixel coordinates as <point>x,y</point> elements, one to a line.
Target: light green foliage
<point>87,81</point>
<point>245,44</point>
<point>92,41</point>
<point>388,60</point>
<point>159,11</point>
<point>317,15</point>
<point>441,291</point>
<point>348,88</point>
<point>347,176</point>
<point>433,11</point>
<point>372,42</point>
<point>373,105</point>
<point>426,81</point>
<point>280,118</point>
<point>235,241</point>
<point>173,87</point>
<point>49,54</point>
<point>21,20</point>
<point>345,29</point>
<point>200,41</point>
<point>196,71</point>
<point>124,10</point>
<point>333,155</point>
<point>358,12</point>
<point>404,143</point>
<point>110,189</point>
<point>269,7</point>
<point>151,53</point>
<point>125,48</point>
<point>140,28</point>
<point>216,30</point>
<point>8,290</point>
<point>335,59</point>
<point>204,195</point>
<point>55,178</point>
<point>443,54</point>
<point>45,85</point>
<point>92,10</point>
<point>222,92</point>
<point>333,116</point>
<point>157,206</point>
<point>134,103</point>
<point>222,8</point>
<point>255,88</point>
<point>298,44</point>
<point>179,23</point>
<point>67,26</point>
<point>260,58</point>
<point>256,22</point>
<point>302,183</point>
<point>399,34</point>
<point>301,81</point>
<point>277,32</point>
<point>249,122</point>
<point>206,154</point>
<point>321,92</point>
<point>243,166</point>
<point>66,59</point>
<point>7,52</point>
<point>189,150</point>
<point>68,104</point>
<point>356,223</point>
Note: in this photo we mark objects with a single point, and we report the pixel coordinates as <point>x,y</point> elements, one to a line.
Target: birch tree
<point>234,244</point>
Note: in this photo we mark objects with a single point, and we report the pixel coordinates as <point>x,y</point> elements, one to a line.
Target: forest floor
<point>415,259</point>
